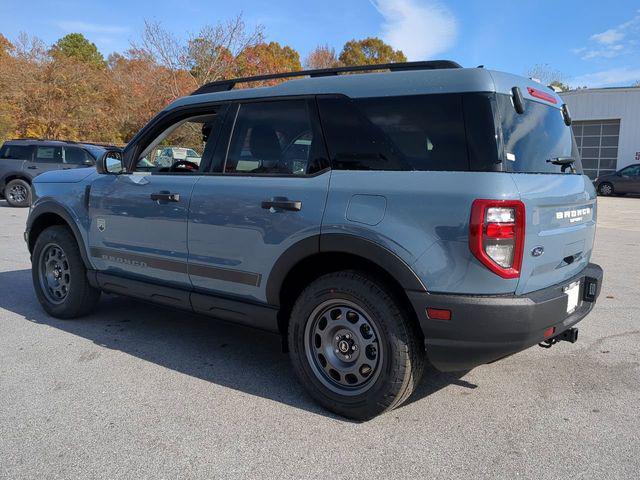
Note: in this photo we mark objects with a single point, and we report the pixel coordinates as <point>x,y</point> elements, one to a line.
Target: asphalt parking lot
<point>136,391</point>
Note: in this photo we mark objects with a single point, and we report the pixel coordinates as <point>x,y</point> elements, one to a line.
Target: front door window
<point>180,148</point>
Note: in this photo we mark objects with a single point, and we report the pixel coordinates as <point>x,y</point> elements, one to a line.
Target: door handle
<point>32,167</point>
<point>164,196</point>
<point>282,203</point>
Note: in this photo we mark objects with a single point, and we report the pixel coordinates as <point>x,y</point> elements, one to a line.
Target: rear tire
<point>345,309</point>
<point>605,189</point>
<point>18,193</point>
<point>60,276</point>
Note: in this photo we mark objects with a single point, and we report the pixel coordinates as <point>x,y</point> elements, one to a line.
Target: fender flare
<point>340,243</point>
<point>51,206</point>
<point>14,173</point>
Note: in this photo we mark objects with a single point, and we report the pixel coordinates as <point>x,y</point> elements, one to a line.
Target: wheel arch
<point>48,214</point>
<point>313,257</point>
<point>13,176</point>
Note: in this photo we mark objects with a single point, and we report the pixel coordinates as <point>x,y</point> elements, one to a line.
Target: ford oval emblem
<point>537,251</point>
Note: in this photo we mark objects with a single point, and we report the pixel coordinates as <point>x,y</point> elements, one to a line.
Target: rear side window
<point>49,154</point>
<point>16,152</point>
<point>533,139</point>
<point>395,133</point>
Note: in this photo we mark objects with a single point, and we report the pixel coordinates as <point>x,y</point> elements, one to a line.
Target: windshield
<point>533,140</point>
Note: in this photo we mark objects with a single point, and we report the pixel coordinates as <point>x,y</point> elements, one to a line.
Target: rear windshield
<point>533,139</point>
<point>16,152</point>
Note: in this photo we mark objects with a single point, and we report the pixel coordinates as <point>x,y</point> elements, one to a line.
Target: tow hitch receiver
<point>569,335</point>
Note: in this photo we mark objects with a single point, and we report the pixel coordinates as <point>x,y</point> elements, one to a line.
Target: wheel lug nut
<point>347,336</point>
<point>337,337</point>
<point>337,351</point>
<point>354,348</point>
<point>348,357</point>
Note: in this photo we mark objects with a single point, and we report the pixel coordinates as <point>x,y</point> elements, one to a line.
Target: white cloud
<point>85,27</point>
<point>607,78</point>
<point>421,29</point>
<point>608,37</point>
<point>614,41</point>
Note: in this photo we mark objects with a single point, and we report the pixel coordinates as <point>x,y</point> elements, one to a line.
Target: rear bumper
<point>483,329</point>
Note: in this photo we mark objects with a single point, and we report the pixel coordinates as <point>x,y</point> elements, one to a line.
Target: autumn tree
<point>76,46</point>
<point>370,51</point>
<point>6,47</point>
<point>265,58</point>
<point>322,57</point>
<point>6,118</point>
<point>206,56</point>
<point>140,90</point>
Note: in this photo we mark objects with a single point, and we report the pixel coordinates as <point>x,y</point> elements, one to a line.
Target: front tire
<point>60,276</point>
<point>18,193</point>
<point>354,346</point>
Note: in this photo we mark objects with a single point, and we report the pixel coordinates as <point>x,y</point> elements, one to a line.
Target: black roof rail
<point>52,140</point>
<point>226,85</point>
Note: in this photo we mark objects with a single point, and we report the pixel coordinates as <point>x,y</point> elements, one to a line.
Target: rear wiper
<point>564,162</point>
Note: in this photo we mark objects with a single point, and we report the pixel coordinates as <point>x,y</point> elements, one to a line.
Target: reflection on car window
<point>180,148</point>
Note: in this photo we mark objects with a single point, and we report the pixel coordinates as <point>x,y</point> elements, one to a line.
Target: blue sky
<point>593,43</point>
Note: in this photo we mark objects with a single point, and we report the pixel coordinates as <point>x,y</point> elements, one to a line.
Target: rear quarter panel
<point>424,219</point>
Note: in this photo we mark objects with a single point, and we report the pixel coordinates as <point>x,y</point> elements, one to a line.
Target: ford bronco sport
<point>374,220</point>
<point>22,160</point>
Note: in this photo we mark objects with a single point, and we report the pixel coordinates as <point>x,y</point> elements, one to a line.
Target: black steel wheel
<point>54,273</point>
<point>343,347</point>
<point>60,276</point>
<point>18,193</point>
<point>354,345</point>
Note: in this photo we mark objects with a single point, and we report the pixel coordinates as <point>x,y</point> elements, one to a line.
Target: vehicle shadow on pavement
<point>232,356</point>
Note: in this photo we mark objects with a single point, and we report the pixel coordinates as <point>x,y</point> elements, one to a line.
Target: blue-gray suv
<point>424,212</point>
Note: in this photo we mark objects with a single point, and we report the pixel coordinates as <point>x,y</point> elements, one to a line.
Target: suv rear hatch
<point>560,202</point>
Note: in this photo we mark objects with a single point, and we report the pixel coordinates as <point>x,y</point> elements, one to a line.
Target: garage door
<point>598,144</point>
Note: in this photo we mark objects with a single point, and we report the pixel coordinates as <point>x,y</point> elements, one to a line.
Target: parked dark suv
<point>23,160</point>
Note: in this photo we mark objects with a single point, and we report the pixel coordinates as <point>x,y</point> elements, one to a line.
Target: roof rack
<point>226,85</point>
<point>71,142</point>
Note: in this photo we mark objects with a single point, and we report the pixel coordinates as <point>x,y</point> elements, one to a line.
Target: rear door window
<point>49,154</point>
<point>533,139</point>
<point>276,138</point>
<point>16,152</point>
<point>424,132</point>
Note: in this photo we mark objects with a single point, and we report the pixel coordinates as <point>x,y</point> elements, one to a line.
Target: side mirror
<point>110,163</point>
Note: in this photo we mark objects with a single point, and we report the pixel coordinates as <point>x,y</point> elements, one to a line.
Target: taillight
<point>496,235</point>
